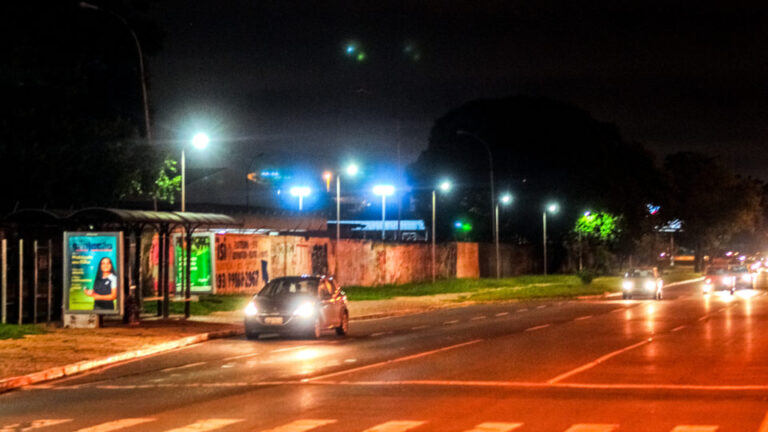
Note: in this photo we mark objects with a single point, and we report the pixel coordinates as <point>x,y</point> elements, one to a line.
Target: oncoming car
<point>642,282</point>
<point>719,279</point>
<point>742,277</point>
<point>298,305</point>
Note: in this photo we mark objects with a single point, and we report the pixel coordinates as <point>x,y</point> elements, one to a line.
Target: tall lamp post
<point>505,199</point>
<point>145,99</point>
<point>384,191</point>
<point>552,208</point>
<point>444,186</point>
<point>199,141</point>
<point>352,170</point>
<point>494,221</point>
<point>301,192</point>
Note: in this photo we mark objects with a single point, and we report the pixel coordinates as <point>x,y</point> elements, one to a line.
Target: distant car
<point>742,277</point>
<point>298,305</point>
<point>719,279</point>
<point>642,282</point>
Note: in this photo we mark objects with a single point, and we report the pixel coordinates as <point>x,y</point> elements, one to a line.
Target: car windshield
<point>716,271</point>
<point>285,286</point>
<point>739,269</point>
<point>639,273</point>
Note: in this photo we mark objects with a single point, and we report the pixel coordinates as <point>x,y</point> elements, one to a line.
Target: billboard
<point>201,266</point>
<point>92,273</point>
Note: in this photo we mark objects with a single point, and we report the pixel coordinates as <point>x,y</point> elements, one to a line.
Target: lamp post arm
<point>144,95</point>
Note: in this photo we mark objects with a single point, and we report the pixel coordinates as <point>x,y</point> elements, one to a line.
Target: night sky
<point>272,77</point>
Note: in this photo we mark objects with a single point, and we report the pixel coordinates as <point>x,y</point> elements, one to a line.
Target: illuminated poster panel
<point>93,273</point>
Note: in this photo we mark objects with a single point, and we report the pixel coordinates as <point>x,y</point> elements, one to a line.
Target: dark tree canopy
<point>542,150</point>
<point>71,117</point>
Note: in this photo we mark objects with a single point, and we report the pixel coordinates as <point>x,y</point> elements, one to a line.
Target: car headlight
<point>746,278</point>
<point>650,285</point>
<point>305,310</point>
<point>251,309</point>
<point>627,285</point>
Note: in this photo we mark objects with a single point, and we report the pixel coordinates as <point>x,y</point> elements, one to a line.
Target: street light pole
<point>544,219</point>
<point>496,241</point>
<point>145,99</point>
<point>494,217</point>
<point>383,216</point>
<point>338,209</point>
<point>183,181</point>
<point>434,201</point>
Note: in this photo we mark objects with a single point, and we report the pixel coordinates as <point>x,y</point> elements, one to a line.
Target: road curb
<point>8,384</point>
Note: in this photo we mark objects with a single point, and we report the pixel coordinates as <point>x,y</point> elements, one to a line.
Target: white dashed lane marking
<point>302,425</point>
<point>396,426</point>
<point>583,318</point>
<point>538,327</point>
<point>450,322</point>
<point>116,425</point>
<point>501,314</point>
<point>477,318</point>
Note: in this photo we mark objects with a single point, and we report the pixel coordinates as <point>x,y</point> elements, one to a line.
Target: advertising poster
<point>201,266</point>
<point>92,273</point>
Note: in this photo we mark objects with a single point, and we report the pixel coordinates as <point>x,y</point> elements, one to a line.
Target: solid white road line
<point>419,327</point>
<point>592,428</point>
<point>395,426</point>
<point>397,360</point>
<point>596,362</point>
<point>583,317</point>
<point>501,314</point>
<point>37,424</point>
<point>495,427</point>
<point>450,322</point>
<point>302,425</point>
<point>694,428</point>
<point>538,327</point>
<point>541,307</point>
<point>206,425</point>
<point>523,310</point>
<point>183,366</point>
<point>116,425</point>
<point>481,317</point>
<point>678,328</point>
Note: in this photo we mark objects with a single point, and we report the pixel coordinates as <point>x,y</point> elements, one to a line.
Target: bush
<point>586,276</point>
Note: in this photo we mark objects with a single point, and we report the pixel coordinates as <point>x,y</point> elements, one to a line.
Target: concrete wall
<point>515,259</point>
<point>244,262</point>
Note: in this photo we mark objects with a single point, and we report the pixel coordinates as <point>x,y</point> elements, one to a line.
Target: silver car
<point>642,282</point>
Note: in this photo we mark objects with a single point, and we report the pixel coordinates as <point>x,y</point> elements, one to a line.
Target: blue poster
<point>93,272</point>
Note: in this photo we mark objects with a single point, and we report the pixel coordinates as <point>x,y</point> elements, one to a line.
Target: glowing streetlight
<point>301,192</point>
<point>551,208</point>
<point>199,141</point>
<point>444,186</point>
<point>384,191</point>
<point>327,176</point>
<point>504,199</point>
<point>352,170</point>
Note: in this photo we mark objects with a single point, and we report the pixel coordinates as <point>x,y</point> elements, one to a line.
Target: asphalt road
<point>687,363</point>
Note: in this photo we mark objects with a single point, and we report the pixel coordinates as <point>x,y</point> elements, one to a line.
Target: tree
<point>712,203</point>
<point>71,117</point>
<point>542,150</point>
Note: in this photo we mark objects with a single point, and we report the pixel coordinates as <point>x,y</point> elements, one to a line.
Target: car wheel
<point>343,329</point>
<point>624,296</point>
<point>658,295</point>
<point>251,335</point>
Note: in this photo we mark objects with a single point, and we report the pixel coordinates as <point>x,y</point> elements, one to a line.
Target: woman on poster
<point>104,291</point>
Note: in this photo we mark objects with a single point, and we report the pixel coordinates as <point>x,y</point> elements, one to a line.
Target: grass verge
<point>383,292</point>
<point>12,331</point>
<point>205,306</point>
<point>568,289</point>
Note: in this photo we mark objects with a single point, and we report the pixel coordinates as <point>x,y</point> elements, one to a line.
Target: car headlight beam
<point>305,310</point>
<point>627,285</point>
<point>251,309</point>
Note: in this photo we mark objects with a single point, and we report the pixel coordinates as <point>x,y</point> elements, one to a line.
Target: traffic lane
<point>725,347</point>
<point>541,352</point>
<point>360,407</point>
<point>278,358</point>
<point>162,388</point>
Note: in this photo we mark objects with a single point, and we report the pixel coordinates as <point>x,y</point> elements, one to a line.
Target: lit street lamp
<point>199,141</point>
<point>552,208</point>
<point>505,199</point>
<point>384,191</point>
<point>301,192</point>
<point>444,186</point>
